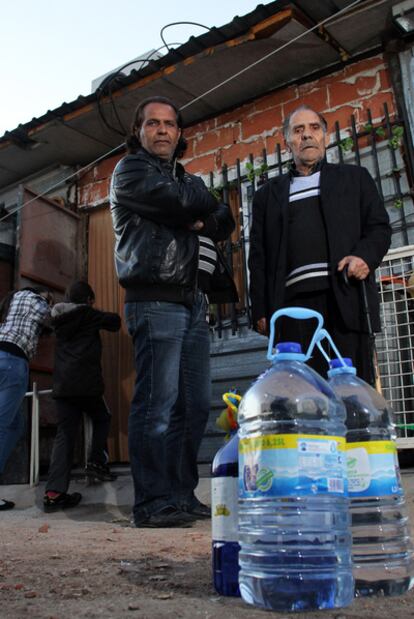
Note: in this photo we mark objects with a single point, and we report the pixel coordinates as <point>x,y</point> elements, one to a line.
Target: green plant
<point>398,203</point>
<point>346,144</point>
<point>217,192</point>
<point>397,136</point>
<point>252,172</point>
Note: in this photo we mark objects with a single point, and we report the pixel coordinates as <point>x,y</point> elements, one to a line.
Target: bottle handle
<point>299,313</point>
<point>321,335</point>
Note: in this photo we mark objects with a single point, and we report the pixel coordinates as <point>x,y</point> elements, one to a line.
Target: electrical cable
<point>106,84</point>
<point>269,55</point>
<point>179,23</point>
<point>186,105</point>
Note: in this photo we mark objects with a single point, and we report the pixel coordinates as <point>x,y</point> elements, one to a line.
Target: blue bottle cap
<point>337,367</point>
<point>288,350</point>
<point>289,347</point>
<point>337,363</point>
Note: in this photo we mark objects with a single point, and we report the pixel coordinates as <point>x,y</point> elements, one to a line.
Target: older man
<point>317,232</point>
<point>159,211</point>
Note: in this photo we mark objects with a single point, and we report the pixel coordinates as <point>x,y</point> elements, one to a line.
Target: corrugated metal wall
<point>117,358</point>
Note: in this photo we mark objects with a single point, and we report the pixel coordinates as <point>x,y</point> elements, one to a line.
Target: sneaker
<point>6,505</point>
<point>60,501</point>
<point>168,516</point>
<point>102,472</point>
<point>197,510</point>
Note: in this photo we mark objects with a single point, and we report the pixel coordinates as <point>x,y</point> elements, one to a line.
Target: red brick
<point>376,105</point>
<point>242,151</point>
<point>201,165</point>
<point>343,116</point>
<point>364,65</point>
<point>268,120</point>
<point>272,141</point>
<point>105,168</point>
<point>364,86</point>
<point>316,99</point>
<point>276,98</point>
<point>235,116</point>
<point>94,193</point>
<point>216,139</point>
<point>385,79</point>
<point>101,170</point>
<point>202,127</point>
<point>189,153</point>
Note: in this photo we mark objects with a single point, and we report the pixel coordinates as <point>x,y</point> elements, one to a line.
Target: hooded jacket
<point>77,369</point>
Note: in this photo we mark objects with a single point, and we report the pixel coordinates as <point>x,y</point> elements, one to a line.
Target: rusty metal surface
<point>117,357</point>
<point>48,243</point>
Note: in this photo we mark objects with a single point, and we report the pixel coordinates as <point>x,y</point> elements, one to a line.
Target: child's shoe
<point>53,501</point>
<point>101,472</point>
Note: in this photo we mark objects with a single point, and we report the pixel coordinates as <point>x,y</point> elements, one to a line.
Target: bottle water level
<point>381,550</point>
<point>295,554</point>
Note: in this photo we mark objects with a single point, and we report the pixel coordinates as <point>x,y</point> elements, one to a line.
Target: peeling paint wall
<point>257,125</point>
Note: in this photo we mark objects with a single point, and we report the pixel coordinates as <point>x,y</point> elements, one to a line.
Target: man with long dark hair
<point>158,212</point>
<point>23,315</point>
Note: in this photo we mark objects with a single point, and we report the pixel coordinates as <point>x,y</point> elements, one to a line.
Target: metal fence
<point>382,148</point>
<point>387,153</point>
<point>395,343</point>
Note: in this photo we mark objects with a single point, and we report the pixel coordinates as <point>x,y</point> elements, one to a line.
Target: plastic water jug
<point>382,549</point>
<point>294,524</point>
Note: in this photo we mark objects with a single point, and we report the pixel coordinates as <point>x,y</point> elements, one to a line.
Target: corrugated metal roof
<point>75,134</point>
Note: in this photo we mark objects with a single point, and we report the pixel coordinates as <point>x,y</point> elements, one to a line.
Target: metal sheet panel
<point>117,356</point>
<point>48,242</point>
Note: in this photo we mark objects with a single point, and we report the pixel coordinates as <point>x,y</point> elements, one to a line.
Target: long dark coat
<point>356,223</point>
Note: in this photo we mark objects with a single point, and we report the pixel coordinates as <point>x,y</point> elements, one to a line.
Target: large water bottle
<point>294,524</point>
<point>224,508</point>
<point>382,550</point>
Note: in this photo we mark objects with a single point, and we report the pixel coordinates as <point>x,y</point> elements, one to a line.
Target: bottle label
<point>373,468</point>
<point>290,464</point>
<point>224,508</point>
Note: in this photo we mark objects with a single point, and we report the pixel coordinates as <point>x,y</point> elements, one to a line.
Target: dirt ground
<point>88,562</point>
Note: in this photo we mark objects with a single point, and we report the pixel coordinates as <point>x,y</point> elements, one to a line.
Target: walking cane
<point>373,358</point>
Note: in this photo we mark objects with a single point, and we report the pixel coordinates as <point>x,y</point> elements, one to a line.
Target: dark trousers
<point>351,344</point>
<point>70,412</point>
<point>171,401</point>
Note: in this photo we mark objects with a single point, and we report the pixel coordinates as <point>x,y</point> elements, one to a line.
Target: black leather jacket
<point>152,207</point>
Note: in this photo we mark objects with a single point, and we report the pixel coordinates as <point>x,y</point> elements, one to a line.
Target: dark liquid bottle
<point>225,546</point>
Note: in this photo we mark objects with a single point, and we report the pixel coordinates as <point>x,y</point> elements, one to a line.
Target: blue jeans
<point>14,376</point>
<point>171,401</point>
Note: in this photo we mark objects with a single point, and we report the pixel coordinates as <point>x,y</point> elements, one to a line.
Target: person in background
<point>24,315</point>
<point>317,232</point>
<point>158,210</point>
<point>78,388</point>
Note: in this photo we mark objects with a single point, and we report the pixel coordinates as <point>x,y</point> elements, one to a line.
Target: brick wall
<point>257,125</point>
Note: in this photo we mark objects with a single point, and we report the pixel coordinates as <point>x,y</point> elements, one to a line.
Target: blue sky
<point>51,50</point>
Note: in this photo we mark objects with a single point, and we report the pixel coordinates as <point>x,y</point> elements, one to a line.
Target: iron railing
<point>381,148</point>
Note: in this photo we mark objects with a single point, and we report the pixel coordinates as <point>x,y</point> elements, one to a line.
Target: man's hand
<point>356,267</point>
<point>261,326</point>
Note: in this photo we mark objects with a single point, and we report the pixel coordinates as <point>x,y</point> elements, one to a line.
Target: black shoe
<point>168,516</point>
<point>6,505</point>
<point>198,510</point>
<point>61,501</point>
<point>102,472</point>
